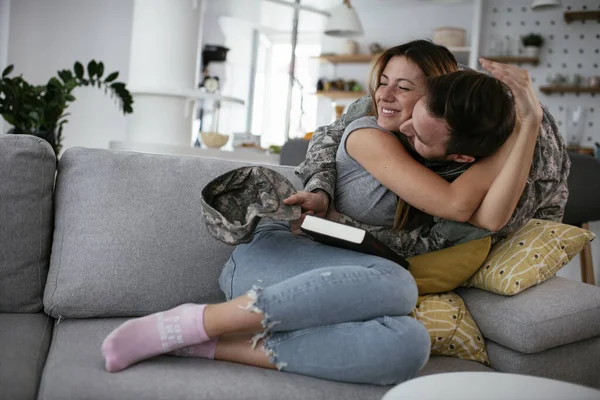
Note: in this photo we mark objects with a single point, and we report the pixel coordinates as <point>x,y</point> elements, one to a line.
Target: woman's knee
<point>399,289</point>
<point>407,351</point>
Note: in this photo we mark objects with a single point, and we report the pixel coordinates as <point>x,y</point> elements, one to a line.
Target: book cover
<point>348,237</point>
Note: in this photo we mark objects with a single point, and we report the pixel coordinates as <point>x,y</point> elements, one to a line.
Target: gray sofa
<point>119,235</point>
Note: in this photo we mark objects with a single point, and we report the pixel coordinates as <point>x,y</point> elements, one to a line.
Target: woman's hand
<point>527,106</point>
<point>312,203</point>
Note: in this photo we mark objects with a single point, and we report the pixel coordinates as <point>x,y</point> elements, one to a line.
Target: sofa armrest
<point>555,313</point>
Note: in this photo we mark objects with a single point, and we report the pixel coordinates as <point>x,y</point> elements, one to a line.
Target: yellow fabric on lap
<point>444,270</point>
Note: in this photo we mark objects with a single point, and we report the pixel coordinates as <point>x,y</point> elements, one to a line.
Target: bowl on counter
<point>214,140</point>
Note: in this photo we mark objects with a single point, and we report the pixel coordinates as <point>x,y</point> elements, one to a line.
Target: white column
<point>163,69</point>
<point>475,34</point>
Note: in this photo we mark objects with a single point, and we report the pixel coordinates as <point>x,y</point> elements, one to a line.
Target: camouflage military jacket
<point>544,196</point>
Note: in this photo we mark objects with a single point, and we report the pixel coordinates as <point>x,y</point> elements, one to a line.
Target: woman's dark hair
<point>478,109</point>
<point>433,60</point>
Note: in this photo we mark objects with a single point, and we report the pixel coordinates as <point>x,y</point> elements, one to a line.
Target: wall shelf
<point>340,95</point>
<point>581,16</point>
<point>368,58</point>
<point>514,60</point>
<point>349,58</point>
<point>569,89</point>
<point>459,49</point>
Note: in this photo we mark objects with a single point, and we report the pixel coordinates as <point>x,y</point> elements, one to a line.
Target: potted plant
<point>40,109</point>
<point>532,44</point>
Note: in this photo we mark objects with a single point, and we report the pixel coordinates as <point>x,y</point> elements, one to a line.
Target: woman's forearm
<point>501,199</point>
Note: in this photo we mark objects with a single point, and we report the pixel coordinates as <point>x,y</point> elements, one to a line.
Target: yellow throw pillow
<point>452,329</point>
<point>444,270</point>
<point>529,256</point>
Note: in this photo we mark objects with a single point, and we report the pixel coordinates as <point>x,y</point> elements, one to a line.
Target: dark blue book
<point>348,237</point>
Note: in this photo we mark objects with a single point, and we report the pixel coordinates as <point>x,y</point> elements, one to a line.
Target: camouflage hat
<point>234,203</point>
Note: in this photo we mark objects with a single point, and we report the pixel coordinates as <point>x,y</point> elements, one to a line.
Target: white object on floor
<point>488,386</point>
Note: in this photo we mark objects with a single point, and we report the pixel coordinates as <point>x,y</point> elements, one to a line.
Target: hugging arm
<point>487,193</point>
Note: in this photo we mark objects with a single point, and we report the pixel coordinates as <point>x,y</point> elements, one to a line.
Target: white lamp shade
<point>343,22</point>
<point>542,4</point>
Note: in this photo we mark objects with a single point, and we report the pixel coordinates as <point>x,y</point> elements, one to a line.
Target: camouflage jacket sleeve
<point>546,192</point>
<point>408,242</point>
<point>317,171</point>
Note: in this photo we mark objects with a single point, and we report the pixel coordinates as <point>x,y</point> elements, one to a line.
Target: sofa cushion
<point>129,236</point>
<point>577,362</point>
<point>75,370</point>
<point>555,313</point>
<point>529,256</point>
<point>27,170</point>
<point>24,342</point>
<point>451,328</point>
<point>75,358</point>
<point>430,270</point>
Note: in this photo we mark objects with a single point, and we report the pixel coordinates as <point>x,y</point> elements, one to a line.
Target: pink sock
<point>202,350</point>
<point>142,338</point>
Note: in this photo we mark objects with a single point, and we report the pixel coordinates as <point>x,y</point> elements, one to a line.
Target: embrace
<point>434,157</point>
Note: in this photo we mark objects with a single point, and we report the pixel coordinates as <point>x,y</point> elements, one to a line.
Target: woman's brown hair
<point>433,60</point>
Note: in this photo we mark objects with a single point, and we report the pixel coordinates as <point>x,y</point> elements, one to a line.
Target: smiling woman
<point>397,79</point>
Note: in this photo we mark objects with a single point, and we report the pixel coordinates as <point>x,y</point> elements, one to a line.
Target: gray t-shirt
<point>357,193</point>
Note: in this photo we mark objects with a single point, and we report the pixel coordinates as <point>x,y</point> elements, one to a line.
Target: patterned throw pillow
<point>451,327</point>
<point>529,256</point>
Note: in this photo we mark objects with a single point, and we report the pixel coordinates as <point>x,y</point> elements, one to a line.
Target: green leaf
<point>7,70</point>
<point>100,69</point>
<point>111,77</point>
<point>66,76</point>
<point>92,68</point>
<point>117,86</point>
<point>70,97</point>
<point>78,70</point>
<point>70,85</point>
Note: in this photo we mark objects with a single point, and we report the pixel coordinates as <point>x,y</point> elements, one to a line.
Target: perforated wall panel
<point>569,49</point>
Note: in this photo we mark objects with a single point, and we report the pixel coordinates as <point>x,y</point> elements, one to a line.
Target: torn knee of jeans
<point>272,356</point>
<point>266,322</point>
<point>253,294</point>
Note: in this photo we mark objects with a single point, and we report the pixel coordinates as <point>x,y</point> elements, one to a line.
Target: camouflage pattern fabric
<point>544,197</point>
<point>234,203</point>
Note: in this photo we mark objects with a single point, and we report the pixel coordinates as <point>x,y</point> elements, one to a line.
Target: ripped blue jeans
<point>329,313</point>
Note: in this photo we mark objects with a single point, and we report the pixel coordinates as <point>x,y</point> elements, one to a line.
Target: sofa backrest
<point>129,237</point>
<point>27,171</point>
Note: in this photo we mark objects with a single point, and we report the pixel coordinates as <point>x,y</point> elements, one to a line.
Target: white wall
<point>4,24</point>
<point>46,36</point>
